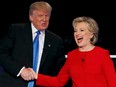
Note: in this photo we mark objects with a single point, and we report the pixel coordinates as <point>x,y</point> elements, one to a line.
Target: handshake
<point>28,74</point>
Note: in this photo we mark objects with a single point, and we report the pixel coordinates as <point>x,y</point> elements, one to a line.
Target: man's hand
<point>28,74</point>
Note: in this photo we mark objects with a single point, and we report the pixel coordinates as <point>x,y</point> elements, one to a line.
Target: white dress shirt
<point>41,43</point>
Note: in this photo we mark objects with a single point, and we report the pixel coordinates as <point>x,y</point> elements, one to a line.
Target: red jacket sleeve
<point>59,80</point>
<point>109,70</point>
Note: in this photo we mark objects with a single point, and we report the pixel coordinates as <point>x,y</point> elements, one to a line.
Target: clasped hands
<point>28,74</point>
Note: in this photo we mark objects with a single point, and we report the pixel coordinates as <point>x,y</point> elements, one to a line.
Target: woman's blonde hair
<point>93,26</point>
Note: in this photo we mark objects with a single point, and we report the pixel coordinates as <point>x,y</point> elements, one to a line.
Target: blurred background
<point>64,11</point>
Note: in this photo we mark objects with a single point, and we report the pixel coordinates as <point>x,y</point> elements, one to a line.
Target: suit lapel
<point>47,47</point>
<point>28,43</point>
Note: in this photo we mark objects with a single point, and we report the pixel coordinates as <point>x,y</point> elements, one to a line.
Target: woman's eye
<point>82,30</point>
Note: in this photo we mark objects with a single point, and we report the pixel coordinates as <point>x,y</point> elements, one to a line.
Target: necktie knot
<point>38,32</point>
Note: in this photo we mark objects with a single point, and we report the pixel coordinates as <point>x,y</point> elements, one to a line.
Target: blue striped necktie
<point>35,56</point>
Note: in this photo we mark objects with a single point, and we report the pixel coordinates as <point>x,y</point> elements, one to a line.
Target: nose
<point>76,33</point>
<point>44,18</point>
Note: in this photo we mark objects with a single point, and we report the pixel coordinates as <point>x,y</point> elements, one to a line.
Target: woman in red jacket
<point>88,65</point>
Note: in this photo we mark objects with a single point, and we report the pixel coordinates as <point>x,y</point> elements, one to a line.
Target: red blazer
<point>86,69</point>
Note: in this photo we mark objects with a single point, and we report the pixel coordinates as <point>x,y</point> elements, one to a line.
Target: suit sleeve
<point>109,70</point>
<point>60,80</point>
<point>6,45</point>
<point>60,57</point>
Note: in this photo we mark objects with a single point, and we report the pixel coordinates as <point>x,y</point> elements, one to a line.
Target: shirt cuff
<point>20,71</point>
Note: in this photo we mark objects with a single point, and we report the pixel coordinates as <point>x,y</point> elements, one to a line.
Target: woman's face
<point>82,34</point>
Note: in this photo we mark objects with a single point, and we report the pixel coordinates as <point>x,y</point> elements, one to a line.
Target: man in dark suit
<point>16,49</point>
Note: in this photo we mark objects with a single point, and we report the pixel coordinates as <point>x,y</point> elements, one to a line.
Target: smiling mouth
<point>79,40</point>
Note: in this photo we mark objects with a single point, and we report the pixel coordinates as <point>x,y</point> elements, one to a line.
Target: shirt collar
<point>34,30</point>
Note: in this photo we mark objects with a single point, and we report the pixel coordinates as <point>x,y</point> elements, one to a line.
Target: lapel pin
<point>49,45</point>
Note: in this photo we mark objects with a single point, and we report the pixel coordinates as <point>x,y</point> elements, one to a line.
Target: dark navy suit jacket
<point>16,51</point>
